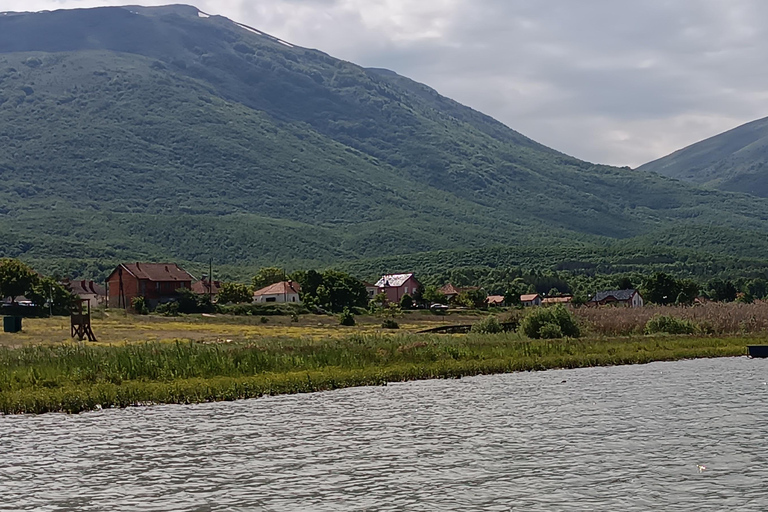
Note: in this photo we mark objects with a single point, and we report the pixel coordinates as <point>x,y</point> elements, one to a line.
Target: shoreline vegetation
<point>74,378</point>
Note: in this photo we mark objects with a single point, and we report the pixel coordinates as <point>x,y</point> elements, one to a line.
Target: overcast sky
<point>612,81</point>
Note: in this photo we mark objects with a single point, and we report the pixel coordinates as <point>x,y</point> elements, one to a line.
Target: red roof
<point>529,297</point>
<point>157,271</point>
<point>281,288</point>
<point>495,299</point>
<point>564,299</point>
<point>85,287</point>
<point>449,289</point>
<point>202,287</point>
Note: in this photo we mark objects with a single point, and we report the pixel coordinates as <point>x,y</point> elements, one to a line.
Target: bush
<point>533,325</point>
<point>139,305</point>
<point>262,309</point>
<point>263,319</point>
<point>550,331</point>
<point>669,325</point>
<point>388,323</point>
<point>168,309</point>
<point>488,325</point>
<point>347,318</point>
<point>406,302</point>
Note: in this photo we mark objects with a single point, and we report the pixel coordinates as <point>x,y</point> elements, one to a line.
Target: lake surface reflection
<point>622,438</point>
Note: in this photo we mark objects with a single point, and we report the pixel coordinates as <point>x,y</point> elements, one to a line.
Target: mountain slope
<point>736,160</point>
<point>143,133</point>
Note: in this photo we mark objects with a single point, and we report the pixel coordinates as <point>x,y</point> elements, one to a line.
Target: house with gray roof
<point>630,298</point>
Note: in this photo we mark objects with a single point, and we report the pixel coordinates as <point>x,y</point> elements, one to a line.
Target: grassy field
<point>116,327</point>
<point>146,360</point>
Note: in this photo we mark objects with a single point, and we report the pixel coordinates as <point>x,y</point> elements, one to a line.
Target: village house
<point>394,286</point>
<point>552,301</point>
<point>282,292</point>
<point>93,292</point>
<point>370,289</point>
<point>531,299</point>
<point>630,298</point>
<point>451,292</point>
<point>206,287</point>
<point>495,300</point>
<point>156,282</point>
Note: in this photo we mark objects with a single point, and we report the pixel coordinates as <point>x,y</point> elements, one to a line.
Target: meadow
<point>152,360</point>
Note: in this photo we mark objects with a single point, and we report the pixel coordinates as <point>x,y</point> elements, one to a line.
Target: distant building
<point>451,292</point>
<point>156,282</point>
<point>371,289</point>
<point>551,301</point>
<point>394,286</point>
<point>87,290</point>
<point>282,292</point>
<point>630,298</point>
<point>205,287</point>
<point>531,299</point>
<point>495,300</point>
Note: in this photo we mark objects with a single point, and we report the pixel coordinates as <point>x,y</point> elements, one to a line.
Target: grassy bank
<point>75,378</point>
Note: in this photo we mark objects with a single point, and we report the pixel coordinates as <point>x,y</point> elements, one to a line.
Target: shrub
<point>263,319</point>
<point>388,323</point>
<point>488,325</point>
<point>347,318</point>
<point>406,302</point>
<point>168,309</point>
<point>139,305</point>
<point>669,325</point>
<point>262,309</point>
<point>559,316</point>
<point>550,331</point>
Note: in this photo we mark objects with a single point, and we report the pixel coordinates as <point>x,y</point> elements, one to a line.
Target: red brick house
<point>156,282</point>
<point>394,286</point>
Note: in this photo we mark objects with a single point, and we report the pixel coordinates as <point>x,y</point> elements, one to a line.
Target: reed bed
<point>75,378</point>
<point>711,318</point>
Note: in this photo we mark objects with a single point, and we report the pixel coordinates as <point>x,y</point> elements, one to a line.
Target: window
<point>270,299</point>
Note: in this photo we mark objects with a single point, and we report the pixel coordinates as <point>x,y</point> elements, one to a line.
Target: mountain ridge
<point>202,139</point>
<point>734,160</point>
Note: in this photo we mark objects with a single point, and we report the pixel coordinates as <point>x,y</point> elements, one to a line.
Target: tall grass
<point>75,378</point>
<point>712,318</point>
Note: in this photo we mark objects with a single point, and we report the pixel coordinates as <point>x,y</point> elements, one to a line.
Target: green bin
<point>12,323</point>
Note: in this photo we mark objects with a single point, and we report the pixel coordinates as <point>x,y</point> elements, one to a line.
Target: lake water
<point>622,438</point>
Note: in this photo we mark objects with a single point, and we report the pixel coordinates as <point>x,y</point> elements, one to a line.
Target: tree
<point>50,294</point>
<point>624,283</point>
<point>757,287</point>
<point>234,293</point>
<point>267,276</point>
<point>432,295</point>
<point>688,291</point>
<point>16,279</point>
<point>406,302</point>
<point>661,288</point>
<point>722,291</point>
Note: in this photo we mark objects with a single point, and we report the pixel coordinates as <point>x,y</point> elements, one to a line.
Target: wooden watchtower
<point>81,320</point>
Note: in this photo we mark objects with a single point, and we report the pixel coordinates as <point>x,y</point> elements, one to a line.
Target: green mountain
<point>736,160</point>
<point>164,133</point>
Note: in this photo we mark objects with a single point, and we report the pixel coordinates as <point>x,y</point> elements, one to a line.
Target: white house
<point>282,292</point>
<point>631,298</point>
<point>531,299</point>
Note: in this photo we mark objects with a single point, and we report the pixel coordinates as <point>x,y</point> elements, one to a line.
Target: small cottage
<point>630,298</point>
<point>531,299</point>
<point>552,301</point>
<point>206,287</point>
<point>93,292</point>
<point>280,293</point>
<point>495,300</point>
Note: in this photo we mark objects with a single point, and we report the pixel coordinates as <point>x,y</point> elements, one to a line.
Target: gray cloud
<point>612,81</point>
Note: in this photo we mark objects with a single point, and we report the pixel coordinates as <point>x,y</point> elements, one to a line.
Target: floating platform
<point>757,350</point>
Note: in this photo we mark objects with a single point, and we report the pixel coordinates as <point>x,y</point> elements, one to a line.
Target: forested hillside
<point>163,133</point>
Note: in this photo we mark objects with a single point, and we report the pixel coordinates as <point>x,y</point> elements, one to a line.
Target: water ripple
<point>624,438</point>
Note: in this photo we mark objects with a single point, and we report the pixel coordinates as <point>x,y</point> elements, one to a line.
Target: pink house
<point>394,286</point>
